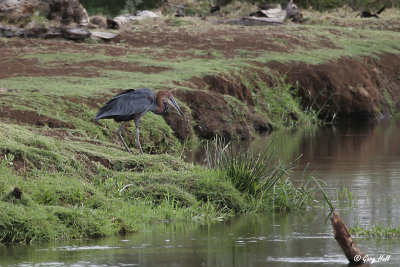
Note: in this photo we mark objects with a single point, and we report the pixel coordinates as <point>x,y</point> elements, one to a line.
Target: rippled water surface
<point>363,158</point>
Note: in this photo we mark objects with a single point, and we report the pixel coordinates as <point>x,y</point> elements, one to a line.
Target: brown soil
<point>61,134</point>
<point>228,41</point>
<point>31,68</point>
<point>103,161</point>
<point>183,40</point>
<point>215,116</point>
<point>118,166</point>
<point>176,43</point>
<point>182,126</point>
<point>223,84</point>
<point>348,87</point>
<point>33,118</point>
<point>20,165</point>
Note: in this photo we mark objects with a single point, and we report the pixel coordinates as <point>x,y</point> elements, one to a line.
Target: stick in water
<point>346,243</point>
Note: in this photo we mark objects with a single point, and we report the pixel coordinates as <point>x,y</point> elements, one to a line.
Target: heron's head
<point>167,98</point>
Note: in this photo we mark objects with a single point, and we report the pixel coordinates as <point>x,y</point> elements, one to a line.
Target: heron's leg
<point>120,137</point>
<point>137,135</point>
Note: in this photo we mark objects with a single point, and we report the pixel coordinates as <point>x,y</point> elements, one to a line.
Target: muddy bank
<point>346,89</point>
<point>32,118</point>
<point>363,88</point>
<point>224,104</point>
<point>214,114</point>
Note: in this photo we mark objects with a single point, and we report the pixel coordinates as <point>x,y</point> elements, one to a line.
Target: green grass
<point>376,231</point>
<point>280,104</point>
<point>73,189</point>
<point>79,203</point>
<point>345,197</point>
<point>80,183</point>
<point>350,43</point>
<point>262,178</point>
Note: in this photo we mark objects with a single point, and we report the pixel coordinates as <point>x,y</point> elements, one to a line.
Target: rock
<point>53,33</point>
<point>67,11</point>
<point>179,11</point>
<point>107,36</point>
<point>112,24</point>
<point>76,34</point>
<point>140,15</point>
<point>98,21</point>
<point>123,19</point>
<point>266,20</point>
<point>147,14</point>
<point>35,32</point>
<point>103,22</point>
<point>6,31</point>
<point>17,10</point>
<point>276,14</point>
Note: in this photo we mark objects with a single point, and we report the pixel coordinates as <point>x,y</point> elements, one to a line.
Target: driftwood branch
<point>346,243</point>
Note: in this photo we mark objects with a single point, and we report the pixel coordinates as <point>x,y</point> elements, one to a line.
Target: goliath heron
<point>132,105</point>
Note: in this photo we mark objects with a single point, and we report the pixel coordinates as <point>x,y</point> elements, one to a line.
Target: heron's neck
<point>161,110</point>
<point>165,109</point>
<point>161,107</point>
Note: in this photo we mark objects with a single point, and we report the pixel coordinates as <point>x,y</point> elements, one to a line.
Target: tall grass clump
<point>280,103</point>
<point>261,177</point>
<point>378,231</point>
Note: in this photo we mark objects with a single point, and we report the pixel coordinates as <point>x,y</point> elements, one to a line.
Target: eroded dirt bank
<point>360,88</point>
<point>229,105</point>
<point>223,104</point>
<point>349,89</point>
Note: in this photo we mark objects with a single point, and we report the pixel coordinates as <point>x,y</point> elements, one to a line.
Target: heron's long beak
<point>173,103</point>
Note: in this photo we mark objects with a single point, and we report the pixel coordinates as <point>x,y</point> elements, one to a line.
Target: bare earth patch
<point>33,118</point>
<point>20,67</point>
<point>228,41</point>
<point>214,116</point>
<point>178,42</point>
<point>348,86</point>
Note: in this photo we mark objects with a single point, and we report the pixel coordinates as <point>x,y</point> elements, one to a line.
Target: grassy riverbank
<point>78,182</point>
<point>71,191</point>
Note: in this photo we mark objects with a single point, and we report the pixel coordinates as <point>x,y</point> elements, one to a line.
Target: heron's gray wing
<point>126,104</point>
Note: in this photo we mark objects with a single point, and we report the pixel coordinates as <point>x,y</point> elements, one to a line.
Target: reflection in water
<point>364,159</point>
<point>297,239</point>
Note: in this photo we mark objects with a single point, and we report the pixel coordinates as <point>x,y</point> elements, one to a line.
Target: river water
<point>363,158</point>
